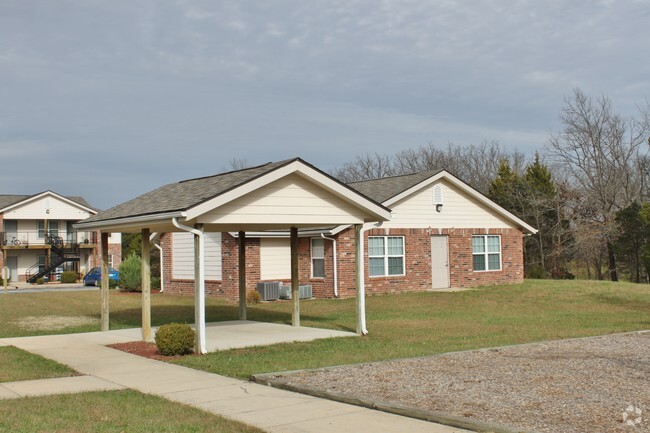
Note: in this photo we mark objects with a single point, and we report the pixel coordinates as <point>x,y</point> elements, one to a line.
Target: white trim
<point>52,194</point>
<point>312,258</point>
<point>379,212</point>
<point>487,253</point>
<point>443,174</point>
<point>387,256</point>
<point>135,221</point>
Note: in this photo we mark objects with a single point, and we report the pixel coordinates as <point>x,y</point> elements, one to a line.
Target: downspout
<point>200,312</point>
<point>336,280</point>
<point>157,245</point>
<point>362,289</point>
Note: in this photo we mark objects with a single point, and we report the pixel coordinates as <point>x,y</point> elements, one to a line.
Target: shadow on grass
<point>162,314</point>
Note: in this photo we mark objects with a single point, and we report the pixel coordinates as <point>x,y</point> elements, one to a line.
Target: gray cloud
<point>110,99</point>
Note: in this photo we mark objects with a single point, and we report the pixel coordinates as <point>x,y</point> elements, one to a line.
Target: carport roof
<point>187,194</point>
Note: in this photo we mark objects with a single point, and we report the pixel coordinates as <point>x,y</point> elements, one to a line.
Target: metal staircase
<point>59,255</point>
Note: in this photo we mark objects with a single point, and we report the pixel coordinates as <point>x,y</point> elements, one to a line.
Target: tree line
<point>587,190</point>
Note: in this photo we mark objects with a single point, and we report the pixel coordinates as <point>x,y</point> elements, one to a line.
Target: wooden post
<point>295,279</point>
<point>146,285</point>
<point>104,285</point>
<point>358,262</point>
<point>5,278</point>
<point>242,275</point>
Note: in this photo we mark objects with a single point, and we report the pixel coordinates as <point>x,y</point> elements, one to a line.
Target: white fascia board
<point>468,190</point>
<point>52,194</point>
<point>283,234</point>
<point>379,212</point>
<point>141,221</point>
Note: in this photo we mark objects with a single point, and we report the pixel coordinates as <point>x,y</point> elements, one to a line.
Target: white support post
<point>104,282</point>
<point>199,289</point>
<point>295,279</point>
<point>146,285</point>
<point>242,275</point>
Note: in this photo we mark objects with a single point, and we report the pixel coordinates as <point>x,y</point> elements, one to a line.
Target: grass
<point>20,365</point>
<point>418,324</point>
<point>403,325</point>
<point>110,412</point>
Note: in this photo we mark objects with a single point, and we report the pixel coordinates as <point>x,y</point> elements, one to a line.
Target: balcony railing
<point>35,238</point>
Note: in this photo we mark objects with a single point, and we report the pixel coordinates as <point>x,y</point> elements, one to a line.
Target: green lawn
<point>16,364</point>
<point>400,325</point>
<point>419,324</point>
<point>110,412</point>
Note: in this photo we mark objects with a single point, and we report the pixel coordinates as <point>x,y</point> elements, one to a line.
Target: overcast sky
<point>110,99</point>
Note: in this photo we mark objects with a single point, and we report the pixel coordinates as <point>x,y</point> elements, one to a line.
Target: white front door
<point>439,262</point>
<point>12,264</point>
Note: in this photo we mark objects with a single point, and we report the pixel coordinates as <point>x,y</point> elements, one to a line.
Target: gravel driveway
<point>580,385</point>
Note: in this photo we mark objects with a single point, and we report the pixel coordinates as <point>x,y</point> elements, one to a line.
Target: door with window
<point>439,262</point>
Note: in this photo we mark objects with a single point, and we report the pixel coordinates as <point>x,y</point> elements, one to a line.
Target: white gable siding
<point>37,209</point>
<point>183,256</point>
<point>287,201</point>
<point>459,210</point>
<point>275,259</point>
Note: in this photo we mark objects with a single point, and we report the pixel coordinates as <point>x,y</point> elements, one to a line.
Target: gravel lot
<point>581,385</point>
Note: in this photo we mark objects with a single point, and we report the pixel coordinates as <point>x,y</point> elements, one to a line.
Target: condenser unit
<point>269,291</point>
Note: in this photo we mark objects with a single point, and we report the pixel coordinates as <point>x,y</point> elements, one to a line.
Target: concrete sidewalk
<point>271,409</point>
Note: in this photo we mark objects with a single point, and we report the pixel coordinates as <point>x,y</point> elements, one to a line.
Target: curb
<point>269,379</point>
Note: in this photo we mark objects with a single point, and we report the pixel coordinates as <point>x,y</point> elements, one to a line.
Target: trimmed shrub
<point>40,280</point>
<point>112,283</point>
<point>131,274</point>
<point>175,339</point>
<point>68,277</point>
<point>253,297</point>
<point>155,283</point>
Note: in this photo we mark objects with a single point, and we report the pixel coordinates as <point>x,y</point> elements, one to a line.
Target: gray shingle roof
<point>180,196</point>
<point>385,188</point>
<point>11,199</point>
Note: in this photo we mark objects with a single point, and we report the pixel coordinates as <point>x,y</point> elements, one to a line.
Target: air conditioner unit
<point>305,292</point>
<point>269,291</point>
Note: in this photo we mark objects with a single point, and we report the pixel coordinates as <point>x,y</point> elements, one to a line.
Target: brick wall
<point>418,261</point>
<point>417,264</point>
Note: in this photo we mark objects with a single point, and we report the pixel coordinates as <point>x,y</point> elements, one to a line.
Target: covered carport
<point>286,195</point>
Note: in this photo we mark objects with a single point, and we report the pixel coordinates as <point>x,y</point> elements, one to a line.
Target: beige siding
<point>275,259</point>
<point>290,200</point>
<point>183,256</point>
<point>459,210</point>
<point>37,209</point>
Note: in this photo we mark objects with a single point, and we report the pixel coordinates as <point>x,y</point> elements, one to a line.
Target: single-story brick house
<point>442,233</point>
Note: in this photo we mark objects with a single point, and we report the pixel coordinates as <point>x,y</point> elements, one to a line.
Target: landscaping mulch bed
<point>598,384</point>
<point>143,348</point>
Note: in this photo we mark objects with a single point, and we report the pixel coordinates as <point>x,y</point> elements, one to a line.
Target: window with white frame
<point>110,260</point>
<point>486,251</point>
<point>317,258</point>
<point>52,228</point>
<point>385,255</point>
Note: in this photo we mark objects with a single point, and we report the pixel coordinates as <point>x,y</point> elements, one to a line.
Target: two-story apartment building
<point>38,239</point>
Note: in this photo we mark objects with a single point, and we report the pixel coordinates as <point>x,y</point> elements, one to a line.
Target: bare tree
<point>364,167</point>
<point>600,152</point>
<point>238,164</point>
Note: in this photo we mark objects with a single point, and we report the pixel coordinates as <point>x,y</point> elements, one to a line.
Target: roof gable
<point>193,198</point>
<point>391,190</point>
<point>9,202</point>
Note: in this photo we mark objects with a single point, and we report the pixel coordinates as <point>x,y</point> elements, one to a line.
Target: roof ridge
<point>398,175</point>
<point>225,173</point>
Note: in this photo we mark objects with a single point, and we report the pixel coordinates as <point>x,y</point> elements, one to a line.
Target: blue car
<point>94,276</point>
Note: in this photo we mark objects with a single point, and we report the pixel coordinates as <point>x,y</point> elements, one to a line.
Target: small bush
<point>68,277</point>
<point>112,283</point>
<point>175,339</point>
<point>253,297</point>
<point>40,280</point>
<point>155,282</point>
<point>131,274</point>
